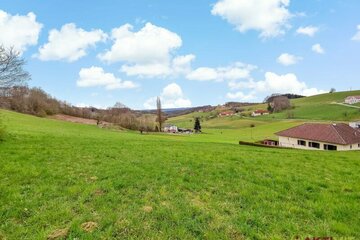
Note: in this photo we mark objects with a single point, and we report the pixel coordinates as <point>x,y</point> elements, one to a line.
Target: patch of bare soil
<point>99,192</point>
<point>68,118</point>
<point>147,209</point>
<point>89,226</point>
<point>58,234</point>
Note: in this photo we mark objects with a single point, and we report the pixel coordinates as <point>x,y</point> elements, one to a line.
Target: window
<point>301,143</point>
<point>314,145</point>
<point>330,147</point>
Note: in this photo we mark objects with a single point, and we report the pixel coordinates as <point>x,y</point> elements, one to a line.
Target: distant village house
<point>257,113</point>
<point>355,125</point>
<point>352,99</point>
<point>316,136</point>
<point>171,129</point>
<point>226,113</point>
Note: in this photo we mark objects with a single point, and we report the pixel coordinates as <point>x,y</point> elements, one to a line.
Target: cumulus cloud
<point>270,17</point>
<point>318,48</point>
<point>309,30</point>
<point>240,96</point>
<point>275,83</point>
<point>181,65</point>
<point>233,72</point>
<point>96,76</point>
<point>19,31</point>
<point>147,52</point>
<point>287,59</point>
<point>356,37</point>
<point>69,43</point>
<point>172,96</point>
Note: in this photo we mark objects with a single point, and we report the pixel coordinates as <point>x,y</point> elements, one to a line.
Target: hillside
<point>59,175</point>
<point>322,107</point>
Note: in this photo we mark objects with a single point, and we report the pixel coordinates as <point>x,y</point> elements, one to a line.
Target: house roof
<point>356,97</point>
<point>339,133</point>
<point>227,112</point>
<point>261,111</point>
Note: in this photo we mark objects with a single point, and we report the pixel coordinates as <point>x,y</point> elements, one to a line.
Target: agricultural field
<point>83,182</point>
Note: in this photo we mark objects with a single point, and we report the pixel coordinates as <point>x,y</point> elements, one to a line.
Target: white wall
<point>293,143</point>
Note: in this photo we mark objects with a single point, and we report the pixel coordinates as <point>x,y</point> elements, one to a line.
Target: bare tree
<point>281,103</point>
<point>159,113</point>
<point>11,68</point>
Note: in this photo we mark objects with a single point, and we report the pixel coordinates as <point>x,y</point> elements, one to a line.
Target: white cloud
<point>172,96</point>
<point>356,37</point>
<point>84,105</point>
<point>69,43</point>
<point>270,17</point>
<point>287,59</point>
<point>147,52</point>
<point>233,72</point>
<point>19,31</point>
<point>309,30</point>
<point>96,76</point>
<point>182,64</point>
<point>275,83</point>
<point>240,96</point>
<point>318,48</point>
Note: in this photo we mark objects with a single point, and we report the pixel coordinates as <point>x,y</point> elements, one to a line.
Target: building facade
<point>315,145</point>
<point>316,136</point>
<point>352,99</point>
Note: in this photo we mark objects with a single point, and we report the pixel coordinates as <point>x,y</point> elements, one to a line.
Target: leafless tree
<point>12,72</point>
<point>281,103</point>
<point>159,113</point>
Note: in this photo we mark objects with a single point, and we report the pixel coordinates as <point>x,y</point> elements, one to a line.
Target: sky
<point>189,53</point>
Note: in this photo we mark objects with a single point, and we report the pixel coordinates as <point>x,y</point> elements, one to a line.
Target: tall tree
<point>197,126</point>
<point>159,113</point>
<point>12,71</point>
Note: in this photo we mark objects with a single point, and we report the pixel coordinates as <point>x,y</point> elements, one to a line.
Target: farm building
<point>185,130</point>
<point>171,129</point>
<point>352,99</point>
<point>226,113</point>
<point>257,113</point>
<point>355,124</point>
<point>270,142</point>
<point>316,136</point>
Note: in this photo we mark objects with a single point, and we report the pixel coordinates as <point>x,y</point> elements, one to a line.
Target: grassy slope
<point>57,175</point>
<point>322,107</point>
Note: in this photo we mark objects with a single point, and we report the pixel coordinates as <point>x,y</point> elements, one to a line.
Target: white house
<point>257,113</point>
<point>171,129</point>
<point>355,125</point>
<point>352,99</point>
<point>317,136</point>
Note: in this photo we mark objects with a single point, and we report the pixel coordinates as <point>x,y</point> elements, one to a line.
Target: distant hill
<point>322,107</point>
<point>325,107</point>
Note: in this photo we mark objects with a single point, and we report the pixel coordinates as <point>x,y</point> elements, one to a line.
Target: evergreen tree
<point>197,126</point>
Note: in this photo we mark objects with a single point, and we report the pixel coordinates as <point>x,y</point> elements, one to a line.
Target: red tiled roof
<point>228,112</point>
<point>339,133</point>
<point>261,111</point>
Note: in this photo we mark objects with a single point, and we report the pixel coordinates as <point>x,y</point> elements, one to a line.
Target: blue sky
<point>189,53</point>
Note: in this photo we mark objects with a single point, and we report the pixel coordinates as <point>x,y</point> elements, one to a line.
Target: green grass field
<point>58,175</point>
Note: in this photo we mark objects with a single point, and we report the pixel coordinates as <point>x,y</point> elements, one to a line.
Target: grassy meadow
<point>58,175</point>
